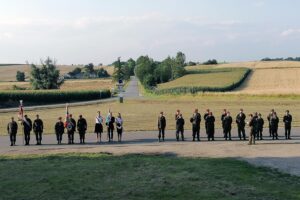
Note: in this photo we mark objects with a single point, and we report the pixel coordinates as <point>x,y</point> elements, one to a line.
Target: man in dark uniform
<point>81,127</point>
<point>110,120</point>
<point>180,127</point>
<point>38,129</point>
<point>227,126</point>
<point>269,120</point>
<point>260,125</point>
<point>196,120</point>
<point>12,129</point>
<point>255,124</point>
<point>274,125</point>
<point>240,120</point>
<point>222,120</point>
<point>251,134</point>
<point>205,117</point>
<point>287,119</point>
<point>71,130</point>
<point>161,123</point>
<point>211,126</point>
<point>59,130</point>
<point>27,126</point>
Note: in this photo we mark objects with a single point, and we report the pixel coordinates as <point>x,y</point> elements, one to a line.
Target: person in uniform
<point>274,126</point>
<point>71,130</point>
<point>196,120</point>
<point>27,127</point>
<point>260,125</point>
<point>240,121</point>
<point>255,124</point>
<point>287,119</point>
<point>205,117</point>
<point>99,126</point>
<point>227,126</point>
<point>81,128</point>
<point>269,120</point>
<point>119,126</point>
<point>251,134</point>
<point>38,128</point>
<point>110,120</point>
<point>59,130</point>
<point>177,114</point>
<point>161,123</point>
<point>180,127</point>
<point>222,120</point>
<point>210,119</point>
<point>12,129</point>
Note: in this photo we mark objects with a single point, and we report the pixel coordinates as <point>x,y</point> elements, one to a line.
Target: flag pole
<point>21,118</point>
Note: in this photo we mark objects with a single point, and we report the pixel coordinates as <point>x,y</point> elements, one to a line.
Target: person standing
<point>274,126</point>
<point>260,125</point>
<point>269,120</point>
<point>205,117</point>
<point>240,121</point>
<point>81,127</point>
<point>196,120</point>
<point>210,119</point>
<point>180,127</point>
<point>251,134</point>
<point>99,126</point>
<point>119,126</point>
<point>59,130</point>
<point>287,119</point>
<point>227,126</point>
<point>161,126</point>
<point>110,120</point>
<point>12,129</point>
<point>27,126</point>
<point>222,120</point>
<point>177,114</point>
<point>38,128</point>
<point>71,129</point>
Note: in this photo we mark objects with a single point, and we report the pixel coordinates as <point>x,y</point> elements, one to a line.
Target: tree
<point>75,71</point>
<point>102,73</point>
<point>45,77</point>
<point>131,65</point>
<point>211,62</point>
<point>20,76</point>
<point>180,59</point>
<point>119,70</point>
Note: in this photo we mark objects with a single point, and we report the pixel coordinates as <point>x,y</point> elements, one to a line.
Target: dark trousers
<point>161,133</point>
<point>59,137</point>
<point>241,132</point>
<point>181,131</point>
<point>71,137</point>
<point>196,132</point>
<point>27,137</point>
<point>227,133</point>
<point>38,136</point>
<point>82,136</point>
<point>211,134</point>
<point>270,130</point>
<point>119,131</point>
<point>287,132</point>
<point>259,134</point>
<point>274,133</point>
<point>110,133</point>
<point>12,137</point>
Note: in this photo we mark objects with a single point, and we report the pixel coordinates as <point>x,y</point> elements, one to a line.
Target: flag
<point>67,120</point>
<point>21,111</point>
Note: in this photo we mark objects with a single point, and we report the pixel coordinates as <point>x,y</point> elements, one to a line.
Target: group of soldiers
<point>255,123</point>
<point>60,126</point>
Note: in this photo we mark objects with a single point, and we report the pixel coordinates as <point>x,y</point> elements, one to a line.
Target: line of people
<point>256,124</point>
<point>60,127</point>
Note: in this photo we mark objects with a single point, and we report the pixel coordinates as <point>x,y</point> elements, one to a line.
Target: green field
<point>96,176</point>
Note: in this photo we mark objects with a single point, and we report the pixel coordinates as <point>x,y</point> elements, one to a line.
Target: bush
<point>20,76</point>
<point>211,62</point>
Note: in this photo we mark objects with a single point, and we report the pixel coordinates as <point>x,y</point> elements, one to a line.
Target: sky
<point>100,31</point>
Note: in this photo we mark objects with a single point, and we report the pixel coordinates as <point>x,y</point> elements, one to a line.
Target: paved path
<point>132,90</point>
<point>282,155</point>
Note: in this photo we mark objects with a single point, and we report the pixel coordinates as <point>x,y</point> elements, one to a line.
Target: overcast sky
<point>99,31</point>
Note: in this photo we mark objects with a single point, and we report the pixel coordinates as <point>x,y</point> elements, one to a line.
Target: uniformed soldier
<point>180,127</point>
<point>227,126</point>
<point>161,123</point>
<point>205,117</point>
<point>222,120</point>
<point>210,119</point>
<point>177,114</point>
<point>269,120</point>
<point>196,120</point>
<point>27,126</point>
<point>252,133</point>
<point>287,119</point>
<point>12,129</point>
<point>260,122</point>
<point>38,128</point>
<point>59,130</point>
<point>72,130</point>
<point>255,124</point>
<point>274,126</point>
<point>240,120</point>
<point>81,128</point>
<point>119,126</point>
<point>110,120</point>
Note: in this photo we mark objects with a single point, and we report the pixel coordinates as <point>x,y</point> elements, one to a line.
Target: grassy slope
<point>94,176</point>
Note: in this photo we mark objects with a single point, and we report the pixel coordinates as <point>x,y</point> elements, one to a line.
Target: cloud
<point>290,32</point>
<point>259,4</point>
<point>6,35</point>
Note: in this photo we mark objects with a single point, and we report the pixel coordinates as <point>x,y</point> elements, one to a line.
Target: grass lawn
<point>212,78</point>
<point>96,176</point>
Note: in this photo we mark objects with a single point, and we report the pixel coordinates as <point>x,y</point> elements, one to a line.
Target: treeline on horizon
<point>281,59</point>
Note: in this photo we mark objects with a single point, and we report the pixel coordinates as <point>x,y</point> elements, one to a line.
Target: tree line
<point>281,59</point>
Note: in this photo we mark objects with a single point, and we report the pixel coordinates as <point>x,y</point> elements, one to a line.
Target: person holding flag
<point>26,123</point>
<point>70,125</point>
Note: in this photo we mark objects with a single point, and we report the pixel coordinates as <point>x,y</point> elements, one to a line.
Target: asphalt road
<point>132,90</point>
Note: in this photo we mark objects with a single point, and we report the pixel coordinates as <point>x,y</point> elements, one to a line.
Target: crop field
<point>8,73</point>
<point>207,78</point>
<point>142,114</point>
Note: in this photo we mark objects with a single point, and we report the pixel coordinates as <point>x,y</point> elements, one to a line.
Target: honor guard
<point>27,127</point>
<point>59,130</point>
<point>38,128</point>
<point>287,119</point>
<point>240,121</point>
<point>180,127</point>
<point>12,129</point>
<point>81,127</point>
<point>196,120</point>
<point>161,123</point>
